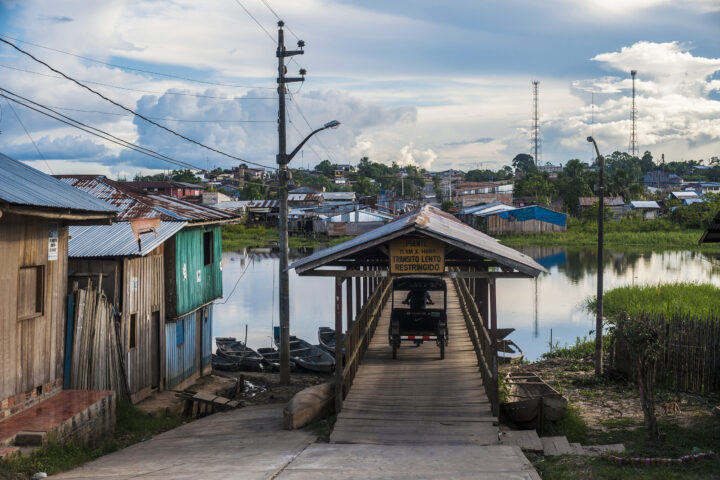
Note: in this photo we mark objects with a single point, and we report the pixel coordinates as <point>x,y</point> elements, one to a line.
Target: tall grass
<point>687,299</point>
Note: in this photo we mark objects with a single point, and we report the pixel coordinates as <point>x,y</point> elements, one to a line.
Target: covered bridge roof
<point>428,221</point>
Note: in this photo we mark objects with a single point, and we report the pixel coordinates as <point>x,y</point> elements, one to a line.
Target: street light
<point>601,242</point>
<point>284,284</point>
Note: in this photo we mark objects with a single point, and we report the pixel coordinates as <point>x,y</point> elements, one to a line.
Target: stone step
<point>578,449</point>
<point>556,446</point>
<point>525,439</point>
<point>6,452</point>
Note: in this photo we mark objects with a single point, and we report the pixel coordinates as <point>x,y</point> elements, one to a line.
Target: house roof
<point>533,212</point>
<point>23,185</point>
<point>434,223</point>
<point>165,184</point>
<point>305,197</point>
<point>685,194</point>
<point>609,201</point>
<point>338,195</point>
<point>648,204</point>
<point>117,240</point>
<point>358,216</point>
<point>134,203</point>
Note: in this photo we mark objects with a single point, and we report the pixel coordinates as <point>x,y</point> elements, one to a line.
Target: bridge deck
<point>418,398</point>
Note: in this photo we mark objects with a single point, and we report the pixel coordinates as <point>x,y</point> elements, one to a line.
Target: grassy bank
<point>685,299</point>
<point>132,426</point>
<point>630,232</point>
<point>238,237</point>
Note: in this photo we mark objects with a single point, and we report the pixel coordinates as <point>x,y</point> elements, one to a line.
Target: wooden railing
<point>480,337</point>
<point>358,338</point>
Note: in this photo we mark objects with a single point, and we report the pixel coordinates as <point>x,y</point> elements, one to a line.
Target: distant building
<point>525,220</point>
<point>213,198</point>
<point>550,168</point>
<point>661,179</point>
<point>684,195</point>
<point>241,173</point>
<point>649,209</point>
<point>467,194</point>
<point>339,196</point>
<point>170,188</point>
<point>616,204</point>
<point>703,187</point>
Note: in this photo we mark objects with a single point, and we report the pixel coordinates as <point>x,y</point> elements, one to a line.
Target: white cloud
<point>416,157</point>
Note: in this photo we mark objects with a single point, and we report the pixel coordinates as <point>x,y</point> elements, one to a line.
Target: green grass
<point>685,299</point>
<point>583,348</point>
<point>132,426</point>
<point>238,237</point>
<point>702,433</point>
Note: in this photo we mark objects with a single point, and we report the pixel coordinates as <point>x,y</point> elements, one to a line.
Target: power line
<point>163,118</point>
<point>272,39</point>
<point>297,106</point>
<point>267,4</point>
<point>138,90</point>
<point>128,109</point>
<point>104,135</point>
<point>169,75</point>
<point>30,137</point>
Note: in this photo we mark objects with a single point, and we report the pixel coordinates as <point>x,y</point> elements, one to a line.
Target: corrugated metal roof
<point>21,184</point>
<point>263,204</point>
<point>644,204</point>
<point>338,195</point>
<point>116,240</point>
<point>609,201</point>
<point>305,197</point>
<point>357,217</point>
<point>685,194</point>
<point>434,223</point>
<point>134,203</point>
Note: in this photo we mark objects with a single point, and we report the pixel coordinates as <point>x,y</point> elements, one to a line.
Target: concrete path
<point>248,443</point>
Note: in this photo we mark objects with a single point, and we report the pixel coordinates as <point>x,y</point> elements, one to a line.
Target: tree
<point>186,176</point>
<point>326,168</point>
<point>447,205</point>
<point>642,337</point>
<point>364,187</point>
<point>536,185</point>
<point>523,164</point>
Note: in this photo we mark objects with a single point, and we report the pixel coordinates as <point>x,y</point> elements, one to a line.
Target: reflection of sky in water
<point>561,294</point>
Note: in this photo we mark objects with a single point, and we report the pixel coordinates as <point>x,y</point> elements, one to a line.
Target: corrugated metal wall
<point>197,284</point>
<point>207,339</point>
<point>144,293</point>
<point>180,360</point>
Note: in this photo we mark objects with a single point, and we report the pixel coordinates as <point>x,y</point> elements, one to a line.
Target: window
<point>208,248</point>
<point>132,331</point>
<point>31,291</point>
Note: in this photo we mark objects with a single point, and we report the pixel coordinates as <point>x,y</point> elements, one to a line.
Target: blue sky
<point>413,82</point>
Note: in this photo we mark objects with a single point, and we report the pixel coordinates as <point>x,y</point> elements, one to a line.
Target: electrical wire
<point>180,135</point>
<point>272,39</point>
<point>297,106</point>
<point>155,92</point>
<point>169,75</point>
<point>162,118</point>
<point>94,131</point>
<point>30,137</point>
<point>236,283</point>
<point>267,4</point>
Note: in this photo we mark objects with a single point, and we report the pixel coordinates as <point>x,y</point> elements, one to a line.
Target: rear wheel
<point>442,349</point>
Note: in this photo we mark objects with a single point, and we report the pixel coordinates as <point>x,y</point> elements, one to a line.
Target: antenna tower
<point>535,139</point>
<point>633,114</point>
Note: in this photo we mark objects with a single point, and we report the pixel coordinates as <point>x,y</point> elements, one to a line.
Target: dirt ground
<point>610,398</point>
<point>259,388</point>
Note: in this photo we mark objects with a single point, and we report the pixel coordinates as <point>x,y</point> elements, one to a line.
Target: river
<point>560,293</point>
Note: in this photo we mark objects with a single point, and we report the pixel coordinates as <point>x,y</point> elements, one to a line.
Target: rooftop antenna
<point>535,138</point>
<point>633,114</point>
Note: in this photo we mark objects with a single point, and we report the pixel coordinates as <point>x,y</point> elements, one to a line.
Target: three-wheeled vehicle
<point>417,323</point>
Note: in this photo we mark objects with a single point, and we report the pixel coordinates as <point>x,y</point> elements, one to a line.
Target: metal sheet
<point>180,355</point>
<point>435,223</point>
<point>23,185</point>
<point>116,240</point>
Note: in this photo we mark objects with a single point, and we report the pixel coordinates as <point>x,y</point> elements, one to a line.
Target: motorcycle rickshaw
<point>417,323</point>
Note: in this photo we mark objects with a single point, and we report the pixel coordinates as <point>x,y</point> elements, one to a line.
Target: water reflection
<point>559,293</point>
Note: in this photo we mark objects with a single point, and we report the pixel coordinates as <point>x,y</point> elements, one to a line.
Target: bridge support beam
<point>349,303</point>
<point>358,296</point>
<point>338,346</point>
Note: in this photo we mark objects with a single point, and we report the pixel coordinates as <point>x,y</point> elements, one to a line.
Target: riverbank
<point>579,237</point>
<point>606,410</point>
<point>238,237</point>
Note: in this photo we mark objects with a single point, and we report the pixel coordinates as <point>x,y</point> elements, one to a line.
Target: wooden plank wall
<point>143,281</point>
<point>497,226</point>
<point>31,350</point>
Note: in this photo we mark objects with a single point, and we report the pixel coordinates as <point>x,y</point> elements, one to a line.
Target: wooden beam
<point>384,273</point>
<point>349,302</point>
<point>494,345</point>
<point>358,296</point>
<point>338,349</point>
<point>60,215</point>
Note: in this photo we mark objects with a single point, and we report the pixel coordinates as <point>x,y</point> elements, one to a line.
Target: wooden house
<point>35,212</point>
<point>165,293</point>
<point>526,220</point>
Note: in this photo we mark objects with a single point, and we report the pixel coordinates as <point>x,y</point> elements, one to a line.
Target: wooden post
<point>358,296</point>
<point>338,346</point>
<point>482,300</point>
<point>365,288</point>
<point>349,302</point>
<point>493,340</point>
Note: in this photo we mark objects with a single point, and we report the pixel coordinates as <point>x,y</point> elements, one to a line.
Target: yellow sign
<point>417,256</point>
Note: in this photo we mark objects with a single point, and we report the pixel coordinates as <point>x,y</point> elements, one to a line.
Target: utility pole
<point>536,120</point>
<point>283,174</point>
<point>633,116</point>
<point>600,254</point>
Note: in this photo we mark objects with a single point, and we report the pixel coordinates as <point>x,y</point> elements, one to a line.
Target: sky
<point>434,84</point>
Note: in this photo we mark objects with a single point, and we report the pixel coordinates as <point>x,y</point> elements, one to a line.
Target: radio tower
<point>535,139</point>
<point>633,115</point>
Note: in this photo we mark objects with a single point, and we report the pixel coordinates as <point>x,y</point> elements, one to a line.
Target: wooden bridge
<point>418,399</point>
